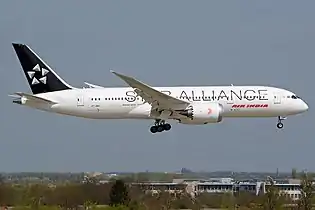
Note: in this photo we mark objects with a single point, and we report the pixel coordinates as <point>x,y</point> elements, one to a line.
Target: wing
<point>33,98</point>
<point>157,99</point>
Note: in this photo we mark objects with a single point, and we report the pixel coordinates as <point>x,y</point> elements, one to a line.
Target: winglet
<point>129,80</point>
<point>118,74</point>
<point>113,72</point>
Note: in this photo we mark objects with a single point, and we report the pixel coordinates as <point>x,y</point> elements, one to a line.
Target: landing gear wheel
<point>167,127</point>
<point>154,129</point>
<point>160,126</point>
<point>280,125</point>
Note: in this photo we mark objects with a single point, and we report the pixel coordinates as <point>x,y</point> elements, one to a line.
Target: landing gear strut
<point>160,126</point>
<point>280,124</point>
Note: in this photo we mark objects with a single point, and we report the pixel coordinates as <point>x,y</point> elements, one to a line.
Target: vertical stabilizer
<point>41,78</point>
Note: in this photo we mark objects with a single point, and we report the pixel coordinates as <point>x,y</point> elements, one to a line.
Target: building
<point>290,187</point>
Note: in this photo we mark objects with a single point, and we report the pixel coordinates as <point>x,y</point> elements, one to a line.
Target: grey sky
<point>163,43</point>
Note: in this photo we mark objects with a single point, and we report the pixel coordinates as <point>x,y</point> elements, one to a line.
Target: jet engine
<point>202,113</point>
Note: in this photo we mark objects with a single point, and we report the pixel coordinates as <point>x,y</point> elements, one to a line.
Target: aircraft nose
<point>304,106</point>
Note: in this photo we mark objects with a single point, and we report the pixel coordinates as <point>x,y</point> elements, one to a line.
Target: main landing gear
<point>280,124</point>
<point>160,126</point>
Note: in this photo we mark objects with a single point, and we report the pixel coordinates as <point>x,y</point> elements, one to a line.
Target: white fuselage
<point>123,103</point>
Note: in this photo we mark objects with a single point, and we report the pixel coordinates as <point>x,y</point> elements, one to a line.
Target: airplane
<point>191,105</point>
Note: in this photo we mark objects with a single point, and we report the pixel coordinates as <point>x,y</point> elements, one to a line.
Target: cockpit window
<point>295,97</point>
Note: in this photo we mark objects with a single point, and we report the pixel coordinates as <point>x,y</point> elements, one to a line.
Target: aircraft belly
<point>250,114</point>
<point>40,106</point>
<point>140,112</point>
<point>110,111</point>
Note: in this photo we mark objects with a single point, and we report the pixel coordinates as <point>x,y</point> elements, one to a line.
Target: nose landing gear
<point>280,124</point>
<point>160,126</point>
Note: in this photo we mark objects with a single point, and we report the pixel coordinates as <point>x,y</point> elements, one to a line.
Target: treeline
<point>120,195</point>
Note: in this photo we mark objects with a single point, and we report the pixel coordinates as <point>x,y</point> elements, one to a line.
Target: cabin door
<point>80,101</point>
<point>277,98</point>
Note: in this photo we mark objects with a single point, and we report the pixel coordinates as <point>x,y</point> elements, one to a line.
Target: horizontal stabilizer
<point>33,98</point>
<point>92,86</point>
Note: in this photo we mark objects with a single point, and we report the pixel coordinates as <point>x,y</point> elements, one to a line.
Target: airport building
<point>290,188</point>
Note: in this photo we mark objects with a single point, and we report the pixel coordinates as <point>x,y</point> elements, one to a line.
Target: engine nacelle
<point>202,113</point>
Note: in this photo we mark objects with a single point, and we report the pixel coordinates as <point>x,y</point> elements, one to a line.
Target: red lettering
<point>250,106</point>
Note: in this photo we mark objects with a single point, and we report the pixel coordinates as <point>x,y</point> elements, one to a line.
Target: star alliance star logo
<point>43,77</point>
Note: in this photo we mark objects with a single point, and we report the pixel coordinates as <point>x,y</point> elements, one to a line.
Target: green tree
<point>307,189</point>
<point>209,200</point>
<point>119,194</point>
<point>228,201</point>
<point>89,205</point>
<point>273,199</point>
<point>35,195</point>
<point>69,196</point>
<point>138,196</point>
<point>165,199</point>
<point>118,207</point>
<point>8,195</point>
